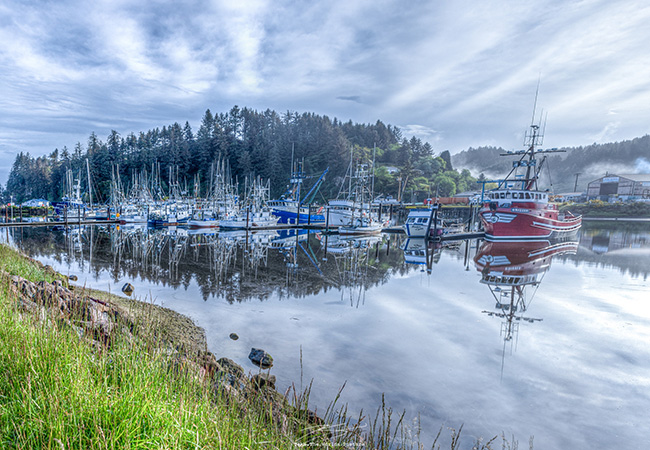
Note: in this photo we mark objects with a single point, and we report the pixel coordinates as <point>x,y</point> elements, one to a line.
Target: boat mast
<point>90,191</point>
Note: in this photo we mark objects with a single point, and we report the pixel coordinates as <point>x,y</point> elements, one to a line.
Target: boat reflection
<point>422,252</point>
<point>356,259</point>
<point>234,265</point>
<point>510,270</point>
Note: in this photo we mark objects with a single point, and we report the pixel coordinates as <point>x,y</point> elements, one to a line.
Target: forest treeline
<point>253,143</point>
<point>573,169</point>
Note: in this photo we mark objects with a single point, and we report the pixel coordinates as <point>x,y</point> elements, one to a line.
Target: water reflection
<point>513,271</point>
<point>422,253</point>
<point>355,258</point>
<point>622,245</point>
<point>235,265</point>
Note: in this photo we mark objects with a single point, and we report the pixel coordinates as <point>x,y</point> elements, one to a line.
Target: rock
<point>73,278</point>
<point>128,289</point>
<point>234,336</point>
<point>209,362</point>
<point>261,380</point>
<point>260,358</point>
<point>231,367</point>
<point>231,374</point>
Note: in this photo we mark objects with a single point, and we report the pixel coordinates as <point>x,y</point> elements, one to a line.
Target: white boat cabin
<point>510,195</point>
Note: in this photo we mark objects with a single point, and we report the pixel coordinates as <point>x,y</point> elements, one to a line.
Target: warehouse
<point>620,188</point>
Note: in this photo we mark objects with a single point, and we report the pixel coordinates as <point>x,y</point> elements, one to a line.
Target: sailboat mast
<point>372,189</point>
<point>90,190</point>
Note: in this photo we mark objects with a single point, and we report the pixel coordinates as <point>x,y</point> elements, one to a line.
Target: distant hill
<point>591,162</point>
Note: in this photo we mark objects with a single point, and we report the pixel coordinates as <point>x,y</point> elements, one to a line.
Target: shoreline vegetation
<point>86,369</point>
<point>597,209</point>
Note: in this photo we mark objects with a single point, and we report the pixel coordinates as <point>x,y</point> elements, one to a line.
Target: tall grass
<point>56,391</point>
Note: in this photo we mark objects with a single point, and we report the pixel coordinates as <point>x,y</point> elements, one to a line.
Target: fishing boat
<point>71,205</point>
<point>249,219</point>
<point>351,212</point>
<point>292,208</point>
<point>131,213</point>
<point>421,221</point>
<point>254,212</point>
<point>518,209</point>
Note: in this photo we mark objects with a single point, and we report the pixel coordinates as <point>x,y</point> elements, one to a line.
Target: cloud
<point>458,74</point>
<point>642,165</point>
<point>351,98</point>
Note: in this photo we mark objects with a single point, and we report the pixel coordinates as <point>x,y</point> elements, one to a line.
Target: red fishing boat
<point>518,209</point>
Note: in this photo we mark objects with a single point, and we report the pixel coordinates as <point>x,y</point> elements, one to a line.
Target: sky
<point>455,73</point>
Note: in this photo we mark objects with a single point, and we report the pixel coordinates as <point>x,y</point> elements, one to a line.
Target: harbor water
<point>549,342</point>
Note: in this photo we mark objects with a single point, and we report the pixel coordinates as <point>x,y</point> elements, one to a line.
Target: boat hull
<point>204,223</point>
<point>289,217</point>
<point>516,225</point>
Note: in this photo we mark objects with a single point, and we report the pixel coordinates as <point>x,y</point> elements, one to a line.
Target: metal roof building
<point>620,187</point>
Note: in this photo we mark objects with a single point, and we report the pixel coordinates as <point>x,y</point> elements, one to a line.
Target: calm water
<point>544,341</point>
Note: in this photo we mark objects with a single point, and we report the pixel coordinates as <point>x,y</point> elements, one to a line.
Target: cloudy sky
<point>456,73</point>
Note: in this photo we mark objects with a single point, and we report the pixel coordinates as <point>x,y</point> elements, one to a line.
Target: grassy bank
<point>60,388</point>
<point>87,370</point>
<point>597,208</point>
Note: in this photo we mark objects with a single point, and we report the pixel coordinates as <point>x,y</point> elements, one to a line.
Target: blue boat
<point>291,209</point>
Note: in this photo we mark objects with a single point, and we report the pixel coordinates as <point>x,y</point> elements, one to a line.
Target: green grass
<point>597,208</point>
<point>57,391</point>
<point>16,264</point>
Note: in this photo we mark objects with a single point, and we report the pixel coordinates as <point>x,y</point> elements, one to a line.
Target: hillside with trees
<point>589,162</point>
<point>253,143</point>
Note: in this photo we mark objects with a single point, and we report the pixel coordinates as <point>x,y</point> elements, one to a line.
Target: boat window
<point>503,195</point>
<point>528,195</point>
<point>508,194</point>
<point>515,195</point>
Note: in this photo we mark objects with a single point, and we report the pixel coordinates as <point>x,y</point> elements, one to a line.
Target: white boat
<point>132,214</point>
<point>353,214</point>
<point>203,223</point>
<point>420,220</point>
<point>249,220</point>
<point>254,213</point>
<point>363,226</point>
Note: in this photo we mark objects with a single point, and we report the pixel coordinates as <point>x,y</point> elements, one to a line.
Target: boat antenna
<point>532,120</point>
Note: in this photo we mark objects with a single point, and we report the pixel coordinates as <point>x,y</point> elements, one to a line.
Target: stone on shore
<point>260,358</point>
<point>261,380</point>
<point>128,288</point>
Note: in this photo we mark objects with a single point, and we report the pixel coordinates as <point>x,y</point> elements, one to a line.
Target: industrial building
<point>612,188</point>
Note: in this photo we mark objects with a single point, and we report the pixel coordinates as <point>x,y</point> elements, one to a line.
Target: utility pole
<point>575,187</point>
